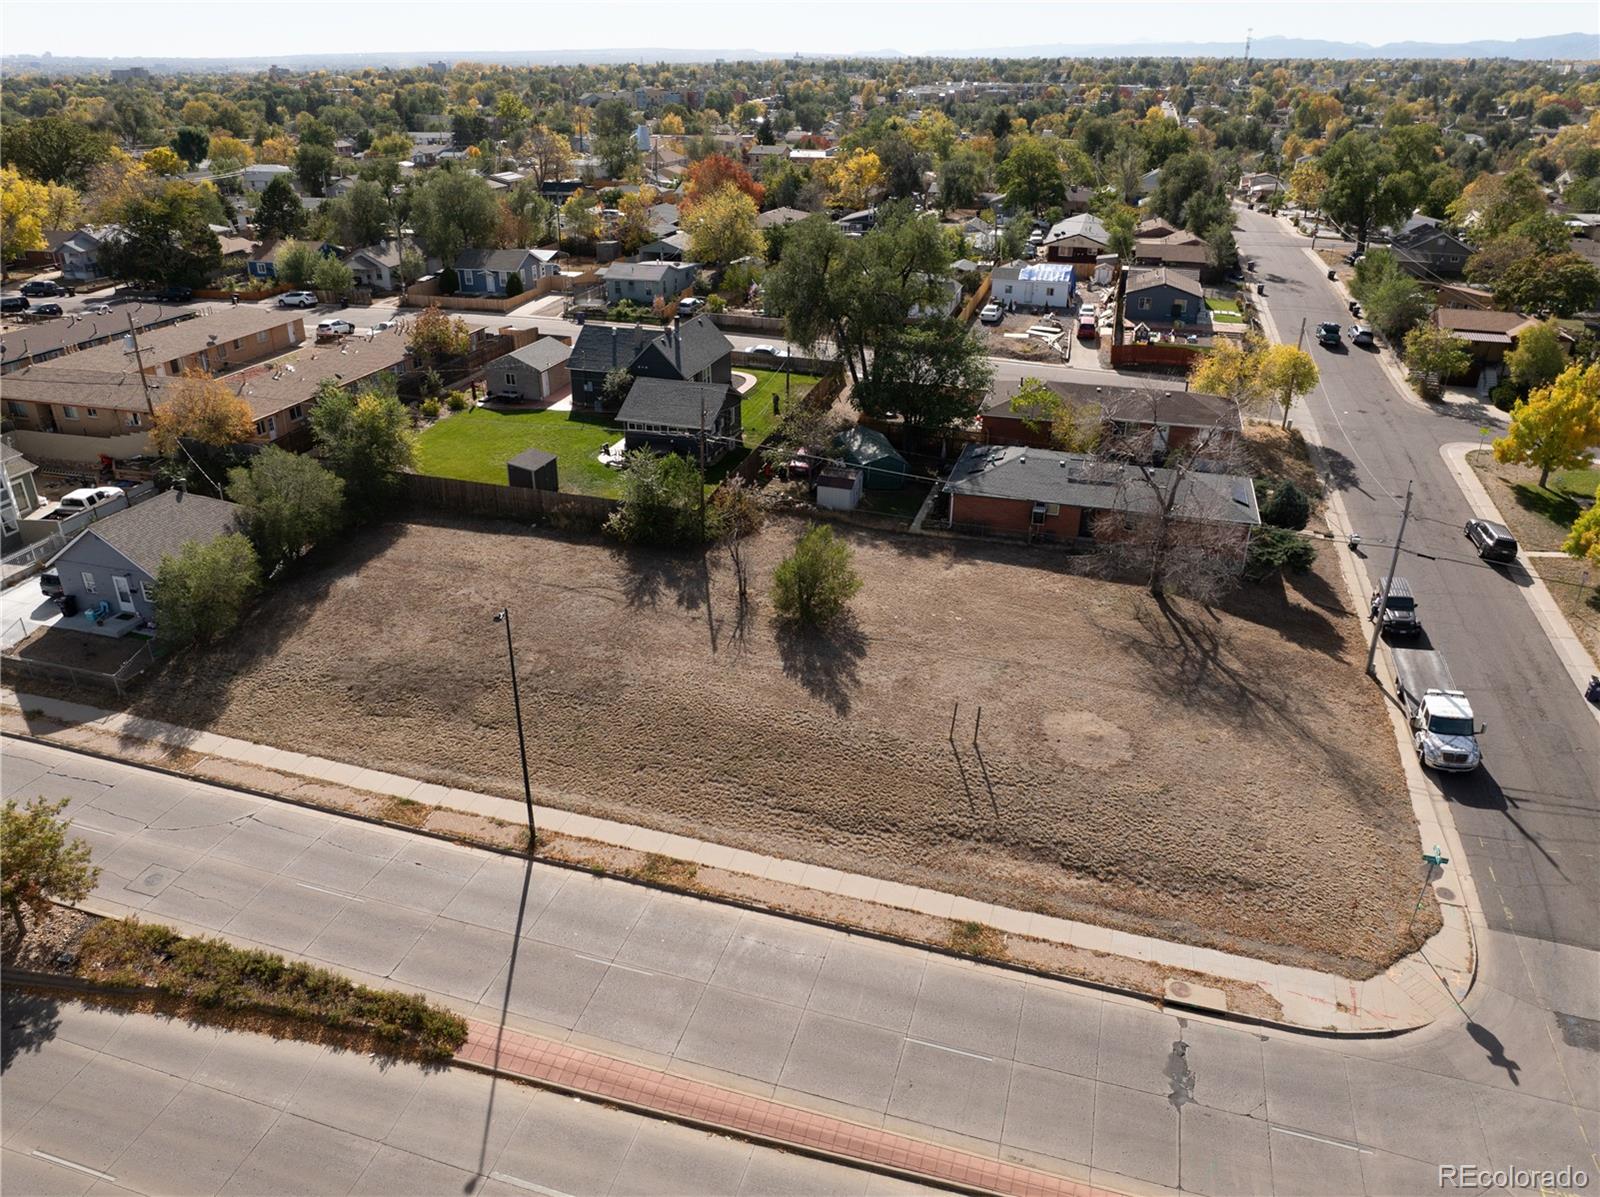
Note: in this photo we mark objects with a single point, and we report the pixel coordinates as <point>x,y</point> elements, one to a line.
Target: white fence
<point>26,561</point>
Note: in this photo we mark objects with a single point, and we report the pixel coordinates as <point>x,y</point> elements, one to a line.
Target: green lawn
<point>755,409</point>
<point>1576,482</point>
<point>475,445</point>
<point>1223,305</point>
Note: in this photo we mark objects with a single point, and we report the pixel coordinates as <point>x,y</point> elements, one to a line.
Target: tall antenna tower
<point>1247,34</point>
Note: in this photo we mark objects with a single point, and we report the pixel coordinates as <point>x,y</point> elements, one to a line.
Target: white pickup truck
<point>1443,729</point>
<point>108,498</point>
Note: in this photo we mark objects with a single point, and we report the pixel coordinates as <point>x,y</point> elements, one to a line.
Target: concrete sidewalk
<point>1411,994</point>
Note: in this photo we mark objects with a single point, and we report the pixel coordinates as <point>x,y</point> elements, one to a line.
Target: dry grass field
<point>1224,777</point>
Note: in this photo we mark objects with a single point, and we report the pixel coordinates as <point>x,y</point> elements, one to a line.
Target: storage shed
<point>870,451</point>
<point>532,469</point>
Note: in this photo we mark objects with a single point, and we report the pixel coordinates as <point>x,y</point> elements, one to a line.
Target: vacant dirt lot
<point>1221,777</point>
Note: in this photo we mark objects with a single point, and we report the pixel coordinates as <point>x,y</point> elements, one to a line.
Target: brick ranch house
<point>1041,495</point>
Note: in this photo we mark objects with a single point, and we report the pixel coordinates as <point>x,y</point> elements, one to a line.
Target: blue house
<point>485,272</point>
<point>1162,298</point>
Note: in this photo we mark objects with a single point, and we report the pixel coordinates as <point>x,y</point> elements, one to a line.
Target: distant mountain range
<point>1564,47</point>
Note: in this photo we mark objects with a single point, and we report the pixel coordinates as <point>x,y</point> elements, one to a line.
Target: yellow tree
<point>579,219</point>
<point>162,161</point>
<point>1557,426</point>
<point>1285,373</point>
<point>671,125</point>
<point>23,208</point>
<point>113,183</point>
<point>226,147</point>
<point>856,180</point>
<point>1584,539</point>
<point>279,150</point>
<point>1228,369</point>
<point>200,408</point>
<point>722,227</point>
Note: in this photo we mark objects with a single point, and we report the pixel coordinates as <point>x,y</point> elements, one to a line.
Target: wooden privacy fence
<point>1172,357</point>
<point>428,292</point>
<point>977,299</point>
<point>493,501</point>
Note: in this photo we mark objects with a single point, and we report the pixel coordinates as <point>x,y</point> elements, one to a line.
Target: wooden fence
<point>1171,357</point>
<point>428,292</point>
<point>493,501</point>
<point>740,322</point>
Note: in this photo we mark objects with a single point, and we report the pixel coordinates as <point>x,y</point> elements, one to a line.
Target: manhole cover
<point>153,880</point>
<point>1444,895</point>
<point>1178,988</point>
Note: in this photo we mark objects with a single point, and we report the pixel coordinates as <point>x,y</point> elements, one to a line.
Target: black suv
<point>1493,541</point>
<point>1328,334</point>
<point>44,288</point>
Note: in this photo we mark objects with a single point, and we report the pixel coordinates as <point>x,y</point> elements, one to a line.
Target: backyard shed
<point>839,488</point>
<point>533,469</point>
<point>870,451</point>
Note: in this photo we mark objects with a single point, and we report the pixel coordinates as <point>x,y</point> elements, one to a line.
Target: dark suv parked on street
<point>1493,541</point>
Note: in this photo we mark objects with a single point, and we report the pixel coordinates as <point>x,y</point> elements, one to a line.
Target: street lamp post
<point>504,616</point>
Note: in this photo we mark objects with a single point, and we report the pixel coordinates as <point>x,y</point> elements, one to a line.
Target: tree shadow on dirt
<point>1267,604</point>
<point>651,576</point>
<point>826,661</point>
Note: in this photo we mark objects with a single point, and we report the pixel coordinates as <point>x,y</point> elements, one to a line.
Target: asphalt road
<point>1530,817</point>
<point>1080,1083</point>
<point>104,1102</point>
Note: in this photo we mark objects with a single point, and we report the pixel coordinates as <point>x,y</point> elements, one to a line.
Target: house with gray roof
<point>536,373</point>
<point>1054,497</point>
<point>1081,238</point>
<point>691,351</point>
<point>486,272</point>
<point>646,282</point>
<point>775,217</point>
<point>1163,297</point>
<point>1158,420</point>
<point>670,415</point>
<point>108,571</point>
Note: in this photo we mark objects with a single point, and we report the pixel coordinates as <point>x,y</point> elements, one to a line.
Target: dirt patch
<point>1263,808</point>
<point>1274,452</point>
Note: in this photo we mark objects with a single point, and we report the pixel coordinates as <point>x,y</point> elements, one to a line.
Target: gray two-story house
<point>691,351</point>
<point>669,416</point>
<point>1425,249</point>
<point>108,572</point>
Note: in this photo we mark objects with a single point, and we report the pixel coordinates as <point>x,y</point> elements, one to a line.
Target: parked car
<point>383,326</point>
<point>175,295</point>
<point>14,303</point>
<point>764,350</point>
<point>991,313</point>
<point>97,309</point>
<point>1328,333</point>
<point>48,310</point>
<point>335,328</point>
<point>44,288</point>
<point>1087,315</point>
<point>690,305</point>
<point>50,584</point>
<point>298,299</point>
<point>1493,541</point>
<point>1360,334</point>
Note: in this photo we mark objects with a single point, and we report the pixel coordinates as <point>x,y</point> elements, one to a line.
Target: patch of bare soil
<point>1224,777</point>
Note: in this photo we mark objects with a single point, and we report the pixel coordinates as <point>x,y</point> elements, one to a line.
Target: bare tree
<point>1175,523</point>
<point>737,513</point>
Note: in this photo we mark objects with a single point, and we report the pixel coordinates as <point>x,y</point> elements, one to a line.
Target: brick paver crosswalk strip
<point>514,1053</point>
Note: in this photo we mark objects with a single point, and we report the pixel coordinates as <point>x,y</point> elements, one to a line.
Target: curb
<point>1013,966</point>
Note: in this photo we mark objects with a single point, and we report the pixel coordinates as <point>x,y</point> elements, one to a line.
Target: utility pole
<point>504,616</point>
<point>1388,580</point>
<point>138,359</point>
<point>702,465</point>
<point>1301,339</point>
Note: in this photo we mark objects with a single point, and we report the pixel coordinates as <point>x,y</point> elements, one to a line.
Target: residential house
<point>1163,420</point>
<point>856,224</point>
<point>776,217</point>
<point>1079,239</point>
<point>536,373</point>
<point>1155,227</point>
<point>226,340</point>
<point>670,415</point>
<point>341,186</point>
<point>281,393</point>
<point>1048,496</point>
<point>646,282</point>
<point>1177,251</point>
<point>1427,250</point>
<point>1163,297</point>
<point>377,266</point>
<point>663,219</point>
<point>1076,200</point>
<point>51,339</point>
<point>260,264</point>
<point>108,572</point>
<point>693,350</point>
<point>1034,285</point>
<point>1489,335</point>
<point>79,254</point>
<point>258,176</point>
<point>672,248</point>
<point>19,496</point>
<point>1259,185</point>
<point>1459,295</point>
<point>487,271</point>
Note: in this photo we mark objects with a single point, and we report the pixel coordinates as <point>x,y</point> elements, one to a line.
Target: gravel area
<point>1222,777</point>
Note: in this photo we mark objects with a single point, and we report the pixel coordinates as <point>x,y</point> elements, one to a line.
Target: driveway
<point>24,608</point>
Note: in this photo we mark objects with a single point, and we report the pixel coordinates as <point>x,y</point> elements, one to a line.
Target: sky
<point>225,28</point>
